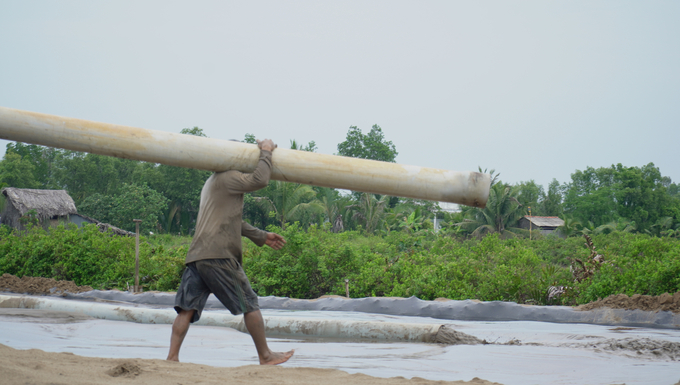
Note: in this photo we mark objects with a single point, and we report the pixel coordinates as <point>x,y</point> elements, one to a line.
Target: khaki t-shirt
<point>219,226</point>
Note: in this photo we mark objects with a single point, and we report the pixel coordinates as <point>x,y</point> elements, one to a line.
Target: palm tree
<point>491,173</point>
<point>588,228</point>
<point>622,225</point>
<point>501,214</point>
<point>370,210</point>
<point>663,227</point>
<point>333,206</point>
<point>328,200</point>
<point>288,200</point>
<point>569,228</point>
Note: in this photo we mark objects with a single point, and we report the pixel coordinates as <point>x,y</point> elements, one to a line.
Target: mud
<point>646,348</point>
<point>663,302</point>
<point>39,285</point>
<point>447,336</point>
<point>42,316</point>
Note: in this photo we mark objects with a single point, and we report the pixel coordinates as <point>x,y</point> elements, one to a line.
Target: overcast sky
<point>534,89</point>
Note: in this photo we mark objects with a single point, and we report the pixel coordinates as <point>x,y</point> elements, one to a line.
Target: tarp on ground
<point>467,310</point>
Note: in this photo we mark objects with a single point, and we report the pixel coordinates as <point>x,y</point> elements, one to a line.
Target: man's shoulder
<point>225,175</point>
<point>224,180</point>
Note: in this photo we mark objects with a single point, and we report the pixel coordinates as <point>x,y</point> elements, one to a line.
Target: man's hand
<point>266,144</point>
<point>275,241</point>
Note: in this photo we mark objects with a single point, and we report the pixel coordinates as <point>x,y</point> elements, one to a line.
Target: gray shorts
<point>223,277</point>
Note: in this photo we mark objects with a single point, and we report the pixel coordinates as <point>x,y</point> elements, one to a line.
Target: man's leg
<point>226,279</point>
<point>255,325</point>
<point>179,331</point>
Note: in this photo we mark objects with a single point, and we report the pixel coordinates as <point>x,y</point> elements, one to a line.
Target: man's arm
<point>261,237</point>
<point>259,178</point>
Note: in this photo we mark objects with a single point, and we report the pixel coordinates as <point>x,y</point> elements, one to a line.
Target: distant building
<point>545,225</point>
<point>51,207</point>
<point>449,207</point>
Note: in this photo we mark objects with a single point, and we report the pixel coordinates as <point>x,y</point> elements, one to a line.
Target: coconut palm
<point>569,228</point>
<point>333,207</point>
<point>328,199</point>
<point>622,225</point>
<point>501,214</point>
<point>288,200</point>
<point>663,227</point>
<point>492,173</point>
<point>370,210</point>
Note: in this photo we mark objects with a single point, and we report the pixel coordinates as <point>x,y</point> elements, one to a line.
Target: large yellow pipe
<point>467,188</point>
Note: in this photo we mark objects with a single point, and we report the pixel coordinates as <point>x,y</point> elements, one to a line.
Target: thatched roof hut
<point>48,204</point>
<point>51,207</point>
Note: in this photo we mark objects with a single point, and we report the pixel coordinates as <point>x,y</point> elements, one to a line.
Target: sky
<point>533,89</point>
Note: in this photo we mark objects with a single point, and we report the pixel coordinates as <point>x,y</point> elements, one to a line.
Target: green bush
<point>316,262</point>
<point>634,264</point>
<point>88,257</point>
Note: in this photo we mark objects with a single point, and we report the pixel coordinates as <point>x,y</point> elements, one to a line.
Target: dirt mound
<point>448,336</point>
<point>127,369</point>
<point>663,302</point>
<point>38,285</point>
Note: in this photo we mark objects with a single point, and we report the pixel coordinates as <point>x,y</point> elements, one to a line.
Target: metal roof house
<point>546,225</point>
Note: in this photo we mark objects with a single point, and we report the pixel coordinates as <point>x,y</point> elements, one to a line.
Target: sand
<point>38,367</point>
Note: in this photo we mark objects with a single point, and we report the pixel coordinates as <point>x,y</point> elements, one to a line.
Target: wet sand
<point>523,352</point>
<point>520,353</point>
<point>35,366</point>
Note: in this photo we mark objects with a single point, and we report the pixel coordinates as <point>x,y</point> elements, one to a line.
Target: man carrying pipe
<point>214,259</point>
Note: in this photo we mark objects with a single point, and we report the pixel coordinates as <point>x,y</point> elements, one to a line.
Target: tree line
<point>113,190</point>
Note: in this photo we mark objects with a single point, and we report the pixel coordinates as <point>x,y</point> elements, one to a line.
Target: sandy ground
<point>540,353</point>
<point>38,367</point>
<point>35,366</point>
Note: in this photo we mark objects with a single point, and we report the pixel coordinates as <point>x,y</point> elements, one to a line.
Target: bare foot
<point>175,359</point>
<point>277,358</point>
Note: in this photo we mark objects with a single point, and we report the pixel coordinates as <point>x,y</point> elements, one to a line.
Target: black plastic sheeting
<point>467,310</point>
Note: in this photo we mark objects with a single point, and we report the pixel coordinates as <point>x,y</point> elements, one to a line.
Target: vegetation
<point>89,257</point>
<point>317,261</point>
<point>385,246</point>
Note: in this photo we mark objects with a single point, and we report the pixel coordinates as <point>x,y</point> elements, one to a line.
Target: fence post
<point>137,288</point>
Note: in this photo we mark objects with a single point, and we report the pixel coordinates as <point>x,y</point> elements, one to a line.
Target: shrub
<point>315,262</point>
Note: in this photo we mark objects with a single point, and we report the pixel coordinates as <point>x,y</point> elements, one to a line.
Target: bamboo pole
<point>467,188</point>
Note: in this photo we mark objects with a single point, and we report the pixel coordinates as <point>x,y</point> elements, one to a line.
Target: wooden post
<point>529,222</point>
<point>137,288</point>
<point>347,287</point>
